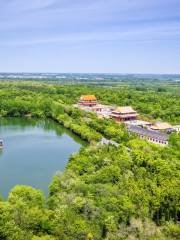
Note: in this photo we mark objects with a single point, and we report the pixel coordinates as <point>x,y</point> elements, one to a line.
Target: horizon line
<point>105,73</point>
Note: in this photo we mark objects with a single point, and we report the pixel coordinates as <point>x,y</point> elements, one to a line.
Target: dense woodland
<point>156,101</point>
<point>106,192</point>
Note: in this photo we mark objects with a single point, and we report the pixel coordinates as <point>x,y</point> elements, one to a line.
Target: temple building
<point>149,135</point>
<point>123,114</point>
<point>162,126</point>
<point>139,123</point>
<point>88,100</point>
<point>176,128</point>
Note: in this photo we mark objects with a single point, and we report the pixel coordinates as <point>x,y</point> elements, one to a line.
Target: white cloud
<point>149,34</point>
<point>23,15</point>
<point>24,22</point>
<point>21,5</point>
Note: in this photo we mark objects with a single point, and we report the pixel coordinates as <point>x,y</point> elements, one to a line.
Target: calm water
<point>34,150</point>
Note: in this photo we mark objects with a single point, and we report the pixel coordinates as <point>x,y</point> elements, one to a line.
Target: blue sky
<point>115,36</point>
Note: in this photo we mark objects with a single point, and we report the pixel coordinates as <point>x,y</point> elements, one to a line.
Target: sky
<point>90,36</point>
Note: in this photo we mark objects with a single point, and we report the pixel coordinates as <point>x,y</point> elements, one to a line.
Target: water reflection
<point>20,124</point>
<point>34,150</point>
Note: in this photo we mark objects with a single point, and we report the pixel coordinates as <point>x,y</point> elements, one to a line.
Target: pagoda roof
<point>88,98</point>
<point>125,110</point>
<point>126,115</point>
<point>161,126</point>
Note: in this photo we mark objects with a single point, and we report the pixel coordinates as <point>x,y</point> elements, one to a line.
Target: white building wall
<point>176,128</point>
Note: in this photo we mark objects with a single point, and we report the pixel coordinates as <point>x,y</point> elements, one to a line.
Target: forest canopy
<point>129,191</point>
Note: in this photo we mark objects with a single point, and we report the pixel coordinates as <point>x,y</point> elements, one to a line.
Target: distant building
<point>97,108</point>
<point>105,141</point>
<point>103,110</point>
<point>123,114</point>
<point>162,126</point>
<point>150,135</point>
<point>176,128</point>
<point>88,100</point>
<point>139,123</point>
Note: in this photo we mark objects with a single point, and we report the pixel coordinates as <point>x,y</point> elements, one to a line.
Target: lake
<point>34,151</point>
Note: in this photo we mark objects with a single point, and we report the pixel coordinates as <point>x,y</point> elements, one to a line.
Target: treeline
<point>119,193</point>
<point>152,102</point>
<point>106,192</point>
<point>25,103</point>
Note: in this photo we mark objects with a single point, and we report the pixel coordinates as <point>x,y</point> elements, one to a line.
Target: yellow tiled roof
<point>161,126</point>
<point>88,97</point>
<point>127,109</point>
